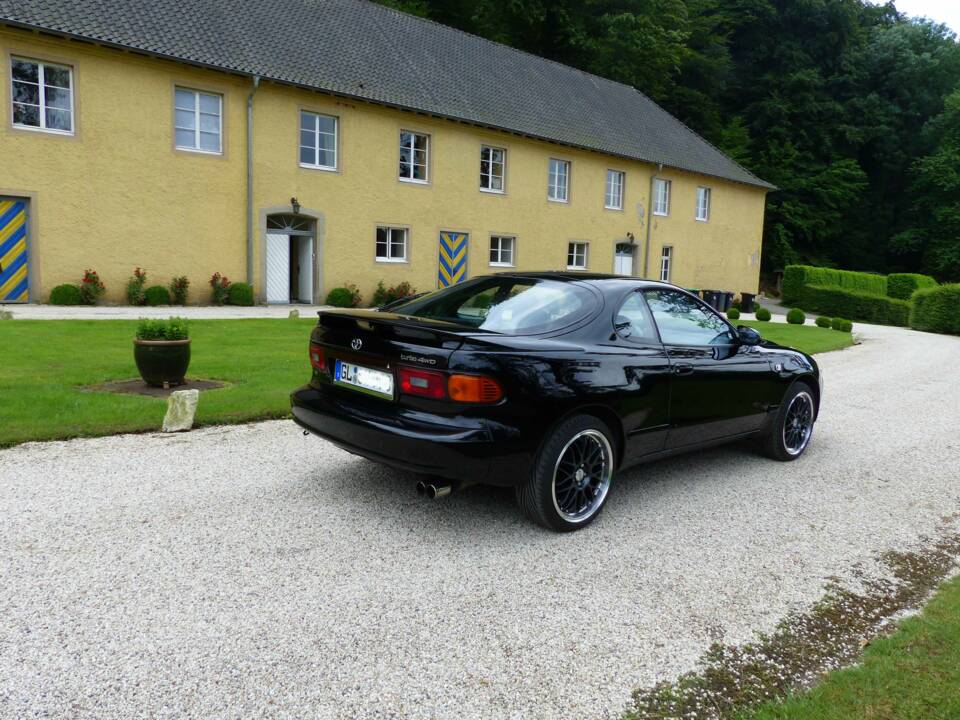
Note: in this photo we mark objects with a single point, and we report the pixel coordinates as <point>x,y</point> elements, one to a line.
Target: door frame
<point>33,260</point>
<point>633,264</point>
<point>319,235</point>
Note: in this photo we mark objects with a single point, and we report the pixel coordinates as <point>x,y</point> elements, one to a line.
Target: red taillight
<point>425,383</point>
<point>474,389</point>
<point>317,358</point>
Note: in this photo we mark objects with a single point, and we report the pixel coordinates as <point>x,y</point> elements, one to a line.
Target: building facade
<point>112,158</point>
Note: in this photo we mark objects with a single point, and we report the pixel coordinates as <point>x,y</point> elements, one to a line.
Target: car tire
<point>792,428</point>
<point>571,476</point>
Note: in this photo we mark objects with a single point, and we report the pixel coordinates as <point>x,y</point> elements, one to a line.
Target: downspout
<point>646,245</point>
<point>253,91</point>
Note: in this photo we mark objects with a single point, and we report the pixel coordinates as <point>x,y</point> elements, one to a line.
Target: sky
<point>943,11</point>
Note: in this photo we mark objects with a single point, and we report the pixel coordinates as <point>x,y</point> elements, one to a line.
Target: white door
<point>623,260</point>
<point>305,259</point>
<point>278,268</point>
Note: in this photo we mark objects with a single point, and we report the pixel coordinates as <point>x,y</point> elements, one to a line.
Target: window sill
<point>493,192</point>
<point>615,209</point>
<point>198,151</point>
<point>502,264</point>
<point>661,214</point>
<point>393,261</point>
<point>703,220</point>
<point>410,181</point>
<point>46,131</point>
<point>556,200</point>
<point>577,267</point>
<point>324,168</point>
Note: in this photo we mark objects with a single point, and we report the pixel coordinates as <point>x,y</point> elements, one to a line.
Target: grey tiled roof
<point>360,49</point>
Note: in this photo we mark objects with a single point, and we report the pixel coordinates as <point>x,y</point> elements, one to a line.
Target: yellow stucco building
<point>187,144</point>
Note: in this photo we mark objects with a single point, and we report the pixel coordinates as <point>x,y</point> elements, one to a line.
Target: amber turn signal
<point>473,389</point>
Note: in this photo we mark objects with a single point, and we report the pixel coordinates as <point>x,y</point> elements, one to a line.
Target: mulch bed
<point>139,387</point>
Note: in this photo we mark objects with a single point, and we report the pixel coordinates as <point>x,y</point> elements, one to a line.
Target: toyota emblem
<point>356,343</point>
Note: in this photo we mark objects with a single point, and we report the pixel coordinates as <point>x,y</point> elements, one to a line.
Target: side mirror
<point>623,326</point>
<point>748,336</point>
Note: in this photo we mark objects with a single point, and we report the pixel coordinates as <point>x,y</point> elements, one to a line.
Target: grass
<point>48,363</point>
<point>913,674</point>
<point>809,338</point>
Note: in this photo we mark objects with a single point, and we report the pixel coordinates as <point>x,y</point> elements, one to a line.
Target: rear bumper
<point>461,449</point>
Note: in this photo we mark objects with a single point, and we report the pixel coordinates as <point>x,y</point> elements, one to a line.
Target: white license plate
<point>375,382</point>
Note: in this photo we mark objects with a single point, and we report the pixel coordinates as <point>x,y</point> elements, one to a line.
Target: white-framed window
<point>318,140</point>
<point>198,122</point>
<point>666,260</point>
<point>41,95</point>
<point>558,180</point>
<point>414,157</point>
<point>703,204</point>
<point>661,197</point>
<point>613,193</point>
<point>502,250</point>
<point>493,163</point>
<point>392,244</point>
<point>577,255</point>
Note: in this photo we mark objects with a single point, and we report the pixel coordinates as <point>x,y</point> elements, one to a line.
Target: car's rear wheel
<point>571,476</point>
<point>792,428</point>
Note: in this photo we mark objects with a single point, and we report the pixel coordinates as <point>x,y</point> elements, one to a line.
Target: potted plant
<point>161,349</point>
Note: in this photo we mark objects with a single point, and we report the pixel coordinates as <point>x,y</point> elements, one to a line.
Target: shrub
<point>174,328</point>
<point>346,297</point>
<point>937,309</point>
<point>90,287</point>
<point>135,295</point>
<point>240,294</point>
<point>797,277</point>
<point>903,285</point>
<point>221,289</point>
<point>823,322</point>
<point>763,315</point>
<point>179,287</point>
<point>156,295</point>
<point>385,296</point>
<point>796,317</point>
<point>733,313</point>
<point>65,295</point>
<point>856,305</point>
<point>841,324</point>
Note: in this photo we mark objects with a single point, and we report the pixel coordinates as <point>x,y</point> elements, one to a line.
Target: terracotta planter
<point>162,362</point>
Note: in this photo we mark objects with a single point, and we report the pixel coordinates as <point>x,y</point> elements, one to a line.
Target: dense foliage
<point>174,328</point>
<point>344,297</point>
<point>386,295</point>
<point>935,309</point>
<point>796,316</point>
<point>850,108</point>
<point>763,315</point>
<point>903,285</point>
<point>179,288</point>
<point>156,295</point>
<point>862,306</point>
<point>797,277</point>
<point>240,293</point>
<point>65,295</point>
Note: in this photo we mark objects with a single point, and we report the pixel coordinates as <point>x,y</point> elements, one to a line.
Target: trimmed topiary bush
<point>733,313</point>
<point>903,285</point>
<point>796,278</point>
<point>937,309</point>
<point>844,326</point>
<point>763,314</point>
<point>865,307</point>
<point>823,322</point>
<point>796,317</point>
<point>240,294</point>
<point>345,297</point>
<point>156,295</point>
<point>65,295</point>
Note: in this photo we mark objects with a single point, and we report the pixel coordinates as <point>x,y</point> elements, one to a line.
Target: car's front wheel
<point>571,477</point>
<point>792,428</point>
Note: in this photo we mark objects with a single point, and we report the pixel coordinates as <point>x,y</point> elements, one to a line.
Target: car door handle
<point>683,369</point>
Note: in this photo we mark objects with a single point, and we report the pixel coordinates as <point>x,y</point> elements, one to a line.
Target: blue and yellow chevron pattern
<point>453,258</point>
<point>13,251</point>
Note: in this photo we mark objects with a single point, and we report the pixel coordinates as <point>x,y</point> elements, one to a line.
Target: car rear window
<point>513,306</point>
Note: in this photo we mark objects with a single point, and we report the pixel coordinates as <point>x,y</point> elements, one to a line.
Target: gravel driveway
<point>249,570</point>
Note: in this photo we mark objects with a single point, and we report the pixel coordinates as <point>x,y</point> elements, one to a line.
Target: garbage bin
<point>726,300</point>
<point>746,302</point>
<point>710,298</point>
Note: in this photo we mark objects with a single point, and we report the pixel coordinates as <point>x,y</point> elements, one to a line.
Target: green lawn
<point>913,674</point>
<point>46,363</point>
<point>809,338</point>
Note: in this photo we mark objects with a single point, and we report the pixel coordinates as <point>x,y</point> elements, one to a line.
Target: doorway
<point>14,264</point>
<point>291,265</point>
<point>623,259</point>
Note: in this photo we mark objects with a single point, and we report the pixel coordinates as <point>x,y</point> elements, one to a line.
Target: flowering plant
<point>178,290</point>
<point>91,287</point>
<point>221,288</point>
<point>135,294</point>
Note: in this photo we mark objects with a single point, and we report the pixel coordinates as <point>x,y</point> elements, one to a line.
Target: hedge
<point>796,277</point>
<point>937,309</point>
<point>65,295</point>
<point>156,295</point>
<point>903,285</point>
<point>866,307</point>
<point>240,293</point>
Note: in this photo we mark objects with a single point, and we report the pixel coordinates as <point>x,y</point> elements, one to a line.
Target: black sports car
<point>549,383</point>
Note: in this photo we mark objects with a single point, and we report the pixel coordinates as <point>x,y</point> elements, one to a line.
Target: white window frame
<point>316,140</point>
<point>426,157</point>
<point>196,120</point>
<point>490,162</point>
<point>42,96</point>
<point>611,201</point>
<point>553,180</point>
<point>500,250</point>
<point>661,197</point>
<point>666,263</point>
<point>574,246</point>
<point>702,213</point>
<point>390,257</point>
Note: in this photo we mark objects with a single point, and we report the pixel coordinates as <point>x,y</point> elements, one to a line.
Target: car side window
<point>633,319</point>
<point>683,321</point>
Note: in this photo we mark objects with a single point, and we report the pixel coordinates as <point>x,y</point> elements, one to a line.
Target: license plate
<point>368,380</point>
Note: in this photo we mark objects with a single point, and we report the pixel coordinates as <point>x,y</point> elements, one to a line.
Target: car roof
<point>601,280</point>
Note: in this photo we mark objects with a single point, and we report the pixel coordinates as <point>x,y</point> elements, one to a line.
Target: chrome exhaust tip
<point>421,488</point>
<point>435,491</point>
